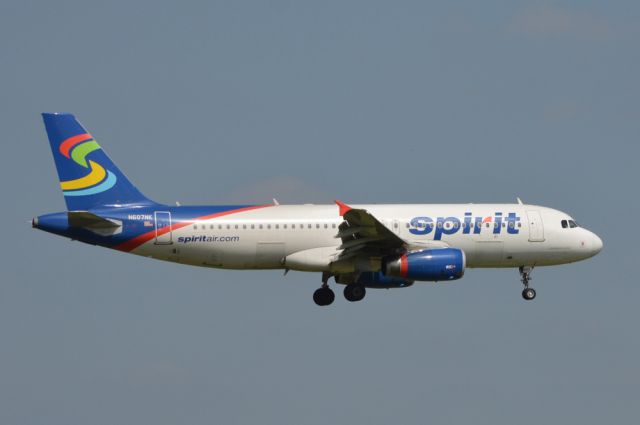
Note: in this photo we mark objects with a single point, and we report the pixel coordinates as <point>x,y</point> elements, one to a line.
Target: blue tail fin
<point>88,178</point>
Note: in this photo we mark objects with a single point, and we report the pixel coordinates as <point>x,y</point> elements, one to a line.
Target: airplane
<point>360,246</point>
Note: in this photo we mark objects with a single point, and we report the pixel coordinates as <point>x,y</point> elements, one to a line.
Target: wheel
<point>330,296</point>
<point>528,294</point>
<point>323,296</point>
<point>354,292</point>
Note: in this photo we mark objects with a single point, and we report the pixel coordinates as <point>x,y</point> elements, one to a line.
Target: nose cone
<point>596,244</point>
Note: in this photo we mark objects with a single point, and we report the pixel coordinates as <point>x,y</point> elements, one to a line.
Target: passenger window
<point>260,226</point>
<point>333,226</point>
<point>317,226</point>
<point>268,226</point>
<point>564,224</point>
<point>326,226</point>
<point>309,226</point>
<point>219,226</point>
<point>277,226</point>
<point>488,224</point>
<point>195,226</point>
<point>253,226</point>
<point>244,226</point>
<point>228,226</point>
<point>284,226</point>
<point>293,226</point>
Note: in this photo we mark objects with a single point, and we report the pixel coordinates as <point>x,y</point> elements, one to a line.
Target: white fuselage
<point>303,237</point>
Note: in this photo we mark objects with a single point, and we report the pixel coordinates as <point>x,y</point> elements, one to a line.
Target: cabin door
<point>536,228</point>
<point>163,228</point>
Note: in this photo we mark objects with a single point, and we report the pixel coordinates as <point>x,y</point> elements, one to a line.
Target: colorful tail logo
<point>98,180</point>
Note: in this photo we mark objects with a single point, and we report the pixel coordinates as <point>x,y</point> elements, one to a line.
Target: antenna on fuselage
<point>519,201</point>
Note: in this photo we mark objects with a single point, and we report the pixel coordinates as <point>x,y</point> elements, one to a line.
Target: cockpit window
<point>569,224</point>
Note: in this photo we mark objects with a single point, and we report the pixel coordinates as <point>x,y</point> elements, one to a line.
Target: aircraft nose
<point>596,244</point>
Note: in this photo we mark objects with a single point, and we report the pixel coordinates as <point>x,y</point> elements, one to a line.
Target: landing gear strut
<point>525,276</point>
<point>324,295</point>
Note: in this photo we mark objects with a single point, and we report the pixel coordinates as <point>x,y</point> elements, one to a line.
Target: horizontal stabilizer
<point>95,223</point>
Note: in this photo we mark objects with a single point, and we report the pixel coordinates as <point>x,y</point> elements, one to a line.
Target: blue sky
<point>376,102</point>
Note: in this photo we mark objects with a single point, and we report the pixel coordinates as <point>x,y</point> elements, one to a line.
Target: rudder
<point>88,177</point>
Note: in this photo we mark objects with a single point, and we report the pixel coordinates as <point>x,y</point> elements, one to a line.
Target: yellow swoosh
<point>97,174</point>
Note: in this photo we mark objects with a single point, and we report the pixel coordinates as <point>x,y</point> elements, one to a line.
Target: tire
<point>323,296</point>
<point>354,292</point>
<point>529,294</point>
<point>330,296</point>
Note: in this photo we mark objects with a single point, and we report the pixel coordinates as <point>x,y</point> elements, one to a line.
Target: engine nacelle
<point>430,265</point>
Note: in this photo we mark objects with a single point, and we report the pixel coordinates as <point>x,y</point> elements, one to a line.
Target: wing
<point>364,235</point>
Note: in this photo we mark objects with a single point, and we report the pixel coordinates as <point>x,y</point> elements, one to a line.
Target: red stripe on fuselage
<point>146,237</point>
<point>66,146</point>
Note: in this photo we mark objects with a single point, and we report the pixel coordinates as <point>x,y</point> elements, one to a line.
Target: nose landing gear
<point>525,276</point>
<point>528,294</point>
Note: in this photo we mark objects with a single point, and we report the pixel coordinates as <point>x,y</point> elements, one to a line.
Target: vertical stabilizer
<point>88,177</point>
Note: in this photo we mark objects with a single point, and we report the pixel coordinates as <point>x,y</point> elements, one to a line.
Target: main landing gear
<point>324,295</point>
<point>525,275</point>
<point>354,292</point>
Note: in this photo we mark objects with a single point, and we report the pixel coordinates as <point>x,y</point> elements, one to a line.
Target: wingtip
<point>50,114</point>
<point>344,208</point>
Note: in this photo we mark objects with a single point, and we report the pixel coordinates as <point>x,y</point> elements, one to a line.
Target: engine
<point>430,265</point>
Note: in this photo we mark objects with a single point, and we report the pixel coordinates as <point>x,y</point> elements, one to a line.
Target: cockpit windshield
<point>569,224</point>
